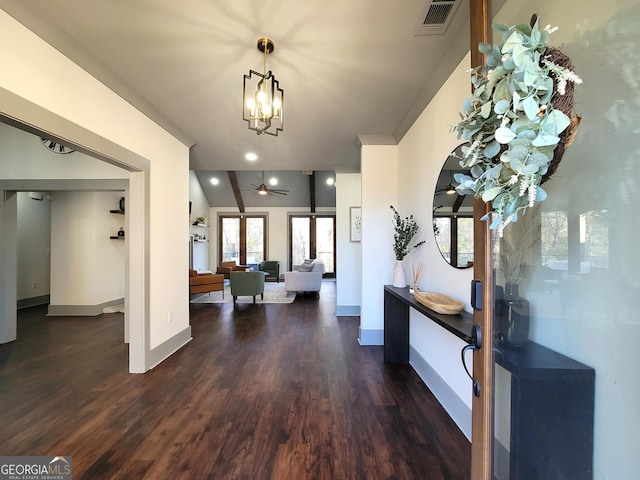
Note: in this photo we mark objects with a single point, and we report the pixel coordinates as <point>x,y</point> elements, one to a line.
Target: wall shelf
<point>200,225</point>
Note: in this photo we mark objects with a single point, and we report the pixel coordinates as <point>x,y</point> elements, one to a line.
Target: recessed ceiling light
<point>330,181</point>
<point>252,157</point>
<point>214,181</point>
<point>273,181</point>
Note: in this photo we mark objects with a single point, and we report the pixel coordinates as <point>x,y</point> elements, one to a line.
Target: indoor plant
<point>518,121</point>
<point>517,252</point>
<point>404,230</point>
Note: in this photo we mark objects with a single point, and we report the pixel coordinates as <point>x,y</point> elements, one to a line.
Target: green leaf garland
<point>511,123</point>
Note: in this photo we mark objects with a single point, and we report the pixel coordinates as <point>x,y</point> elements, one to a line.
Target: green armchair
<point>247,284</point>
<point>271,268</point>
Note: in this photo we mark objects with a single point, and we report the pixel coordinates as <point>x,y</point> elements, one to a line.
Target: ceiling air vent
<point>436,17</point>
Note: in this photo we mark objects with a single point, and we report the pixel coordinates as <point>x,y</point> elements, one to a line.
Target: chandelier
<point>262,97</point>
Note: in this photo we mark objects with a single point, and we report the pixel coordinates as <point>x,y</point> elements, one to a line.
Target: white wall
<point>349,254</point>
<point>34,242</point>
<point>88,266</point>
<point>41,87</point>
<point>421,154</point>
<point>199,204</point>
<point>26,161</point>
<point>25,157</point>
<point>379,168</point>
<point>435,352</point>
<point>199,207</point>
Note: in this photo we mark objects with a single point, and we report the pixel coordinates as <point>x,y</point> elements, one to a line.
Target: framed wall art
<point>355,223</point>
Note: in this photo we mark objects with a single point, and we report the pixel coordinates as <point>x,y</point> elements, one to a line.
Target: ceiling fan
<point>262,189</point>
<point>449,189</point>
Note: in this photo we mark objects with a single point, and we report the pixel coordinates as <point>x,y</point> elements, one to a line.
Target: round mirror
<point>453,215</point>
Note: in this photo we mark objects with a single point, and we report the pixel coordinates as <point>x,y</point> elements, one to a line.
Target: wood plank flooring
<point>262,392</point>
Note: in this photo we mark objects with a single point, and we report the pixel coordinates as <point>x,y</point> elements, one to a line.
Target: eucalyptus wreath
<point>513,122</point>
<point>404,231</point>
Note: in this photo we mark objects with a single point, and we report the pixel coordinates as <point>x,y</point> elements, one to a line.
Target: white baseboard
<point>34,301</point>
<point>347,310</point>
<point>371,337</point>
<point>452,403</point>
<point>169,347</point>
<point>81,310</point>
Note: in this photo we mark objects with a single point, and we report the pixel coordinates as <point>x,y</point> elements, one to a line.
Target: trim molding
<point>371,337</point>
<point>459,411</point>
<point>163,351</point>
<point>81,310</point>
<point>34,301</point>
<point>347,310</point>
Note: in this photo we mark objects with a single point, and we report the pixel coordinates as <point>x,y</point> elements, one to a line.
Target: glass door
<point>313,236</point>
<point>230,239</point>
<point>242,238</point>
<point>325,243</point>
<point>300,244</point>
<point>567,274</point>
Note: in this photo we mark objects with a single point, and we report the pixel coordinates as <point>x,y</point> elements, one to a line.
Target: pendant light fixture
<point>262,97</point>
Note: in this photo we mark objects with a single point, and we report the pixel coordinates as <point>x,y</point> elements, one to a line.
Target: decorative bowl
<point>439,303</point>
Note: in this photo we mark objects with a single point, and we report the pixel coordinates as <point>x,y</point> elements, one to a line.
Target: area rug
<point>273,293</point>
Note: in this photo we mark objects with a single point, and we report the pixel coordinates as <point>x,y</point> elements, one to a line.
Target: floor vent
<point>436,17</point>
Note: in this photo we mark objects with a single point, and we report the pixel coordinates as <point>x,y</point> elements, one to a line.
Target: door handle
<point>476,344</point>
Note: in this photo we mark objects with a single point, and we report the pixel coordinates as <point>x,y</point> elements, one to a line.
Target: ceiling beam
<point>457,204</point>
<point>236,190</point>
<point>312,192</point>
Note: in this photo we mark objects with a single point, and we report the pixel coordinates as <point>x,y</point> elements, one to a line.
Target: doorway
<point>60,175</point>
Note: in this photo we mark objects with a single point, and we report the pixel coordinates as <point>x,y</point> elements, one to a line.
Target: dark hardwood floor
<point>262,392</point>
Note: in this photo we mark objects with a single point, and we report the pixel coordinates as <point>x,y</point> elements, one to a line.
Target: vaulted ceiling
<point>347,68</point>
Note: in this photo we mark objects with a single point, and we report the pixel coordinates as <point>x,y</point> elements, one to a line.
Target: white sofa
<point>306,278</point>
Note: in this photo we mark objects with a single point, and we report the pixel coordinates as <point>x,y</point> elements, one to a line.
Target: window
<point>454,237</point>
<point>242,238</point>
<point>555,237</point>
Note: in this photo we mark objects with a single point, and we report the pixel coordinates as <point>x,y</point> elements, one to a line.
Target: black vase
<point>512,315</point>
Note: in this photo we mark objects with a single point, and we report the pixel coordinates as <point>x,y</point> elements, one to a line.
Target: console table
<point>397,302</point>
<point>552,396</point>
<point>552,401</point>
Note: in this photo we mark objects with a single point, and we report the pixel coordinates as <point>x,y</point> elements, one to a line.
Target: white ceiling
<point>347,68</point>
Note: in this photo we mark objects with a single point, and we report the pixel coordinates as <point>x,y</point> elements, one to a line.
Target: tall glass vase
<point>399,275</point>
<point>512,314</point>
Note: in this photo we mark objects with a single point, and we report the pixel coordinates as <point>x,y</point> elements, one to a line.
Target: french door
<point>242,238</point>
<point>313,236</point>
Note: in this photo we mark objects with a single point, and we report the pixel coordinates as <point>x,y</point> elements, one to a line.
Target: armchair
<point>247,284</point>
<point>225,268</point>
<point>271,268</point>
<point>205,283</point>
